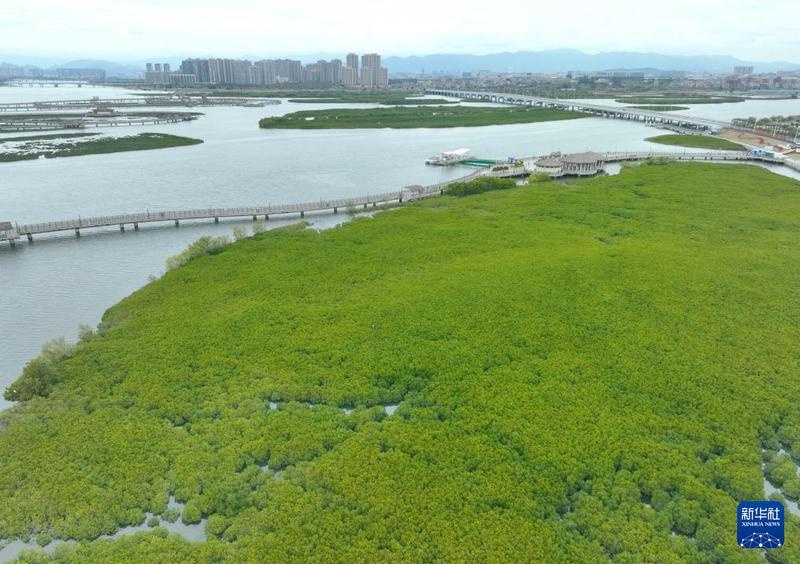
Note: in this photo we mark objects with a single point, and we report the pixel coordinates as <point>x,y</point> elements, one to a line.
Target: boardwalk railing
<point>135,219</point>
<point>686,156</point>
<point>407,194</point>
<point>671,120</point>
<point>204,213</point>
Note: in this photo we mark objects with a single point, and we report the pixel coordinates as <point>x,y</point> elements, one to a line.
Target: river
<point>53,285</point>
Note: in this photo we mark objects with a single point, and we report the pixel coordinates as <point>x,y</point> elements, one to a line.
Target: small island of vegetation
<point>381,101</point>
<point>46,137</point>
<point>605,364</point>
<point>479,186</point>
<point>456,116</point>
<point>697,141</point>
<point>331,95</point>
<point>55,146</point>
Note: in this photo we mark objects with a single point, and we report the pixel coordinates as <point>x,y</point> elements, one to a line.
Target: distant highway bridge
<point>134,102</point>
<point>614,112</point>
<point>21,83</point>
<point>138,102</point>
<point>12,232</point>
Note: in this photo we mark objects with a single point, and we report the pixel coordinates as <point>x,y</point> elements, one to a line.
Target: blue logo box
<point>760,524</point>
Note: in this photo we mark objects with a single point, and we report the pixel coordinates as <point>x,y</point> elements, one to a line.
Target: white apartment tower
<point>350,71</point>
<point>373,75</point>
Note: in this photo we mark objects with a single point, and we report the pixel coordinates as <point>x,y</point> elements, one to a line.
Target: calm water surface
<point>53,285</point>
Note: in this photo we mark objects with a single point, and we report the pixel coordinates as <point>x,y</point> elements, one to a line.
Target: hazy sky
<point>758,30</point>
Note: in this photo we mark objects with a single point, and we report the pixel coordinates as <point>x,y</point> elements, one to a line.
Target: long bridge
<point>715,156</point>
<point>139,102</point>
<point>12,232</point>
<point>614,112</point>
<point>49,124</point>
<point>43,83</point>
<point>133,102</point>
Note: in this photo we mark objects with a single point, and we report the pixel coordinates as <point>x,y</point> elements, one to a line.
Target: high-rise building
<point>181,79</point>
<point>221,71</point>
<point>350,71</point>
<point>336,71</point>
<point>279,71</point>
<point>288,70</point>
<point>264,72</point>
<point>350,76</point>
<point>215,71</point>
<point>241,72</point>
<point>743,70</point>
<point>311,73</point>
<point>165,77</point>
<point>373,75</point>
<point>197,67</point>
<point>10,71</point>
<point>81,74</point>
<point>370,60</point>
<point>382,77</point>
<point>324,72</point>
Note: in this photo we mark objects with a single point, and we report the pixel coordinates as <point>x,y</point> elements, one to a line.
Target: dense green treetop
<point>697,141</point>
<point>411,117</point>
<point>34,148</point>
<point>585,372</point>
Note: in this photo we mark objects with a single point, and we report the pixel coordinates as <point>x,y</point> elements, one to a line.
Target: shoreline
<point>526,167</point>
<point>453,272</point>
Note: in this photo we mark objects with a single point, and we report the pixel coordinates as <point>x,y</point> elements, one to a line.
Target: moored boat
<point>448,158</point>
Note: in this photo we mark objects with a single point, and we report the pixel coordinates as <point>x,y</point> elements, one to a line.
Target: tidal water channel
<point>53,285</point>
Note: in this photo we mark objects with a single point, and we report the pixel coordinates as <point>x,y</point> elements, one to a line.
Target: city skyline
<point>90,28</point>
<point>368,70</point>
<point>264,72</point>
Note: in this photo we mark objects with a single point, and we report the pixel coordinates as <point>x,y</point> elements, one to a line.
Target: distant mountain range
<point>552,61</point>
<point>563,60</point>
<point>112,69</point>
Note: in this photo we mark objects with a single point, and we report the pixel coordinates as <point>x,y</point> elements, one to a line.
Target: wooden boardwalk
<point>356,202</point>
<point>720,156</point>
<point>742,156</point>
<point>134,102</point>
<point>176,216</point>
<point>7,126</point>
<point>140,102</point>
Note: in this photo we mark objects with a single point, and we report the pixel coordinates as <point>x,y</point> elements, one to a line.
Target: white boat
<point>448,158</point>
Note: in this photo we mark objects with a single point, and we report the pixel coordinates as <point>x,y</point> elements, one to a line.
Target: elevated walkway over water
<point>16,231</point>
<point>12,232</point>
<point>674,121</point>
<point>599,110</point>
